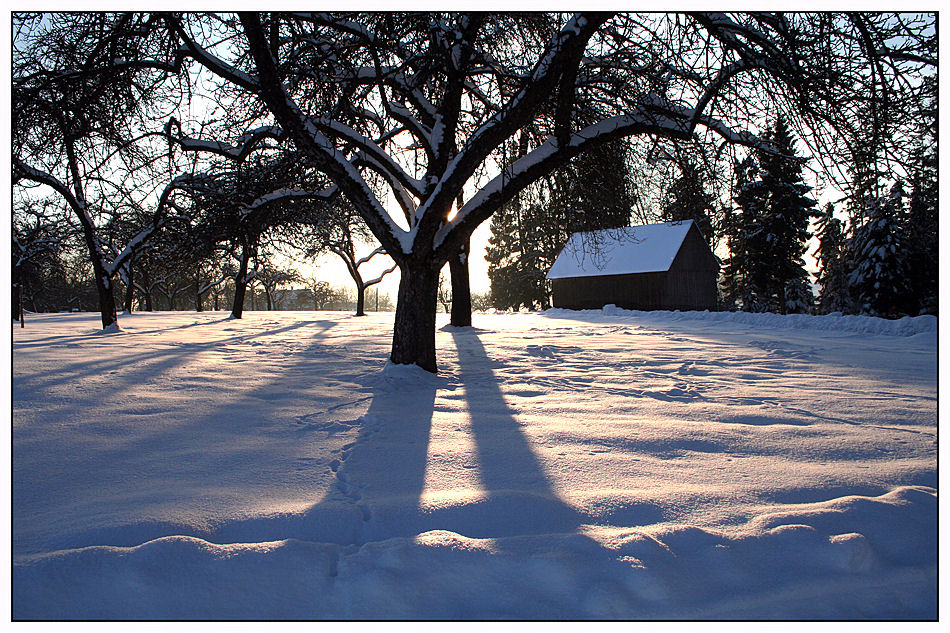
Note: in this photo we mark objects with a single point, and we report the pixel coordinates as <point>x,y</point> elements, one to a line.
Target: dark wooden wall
<point>690,284</point>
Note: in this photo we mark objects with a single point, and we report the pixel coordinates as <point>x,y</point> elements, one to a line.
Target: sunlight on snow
<point>452,469</point>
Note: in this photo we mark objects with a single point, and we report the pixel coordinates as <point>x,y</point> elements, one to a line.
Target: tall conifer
<point>766,271</point>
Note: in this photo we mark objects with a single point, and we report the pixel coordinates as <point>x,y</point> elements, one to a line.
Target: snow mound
<point>396,376</point>
<point>831,559</point>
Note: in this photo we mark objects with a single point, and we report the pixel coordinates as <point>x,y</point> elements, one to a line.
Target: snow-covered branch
<point>245,144</point>
<point>282,194</point>
<point>376,280</point>
<point>668,121</point>
<point>23,171</point>
<point>388,167</point>
<point>311,140</point>
<point>363,260</point>
<point>211,284</point>
<point>543,79</point>
<point>210,61</point>
<point>140,239</point>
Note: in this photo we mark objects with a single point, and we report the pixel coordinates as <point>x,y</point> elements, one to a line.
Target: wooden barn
<point>664,266</point>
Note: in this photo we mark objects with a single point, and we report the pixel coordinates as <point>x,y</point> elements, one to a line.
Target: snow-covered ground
<point>599,464</point>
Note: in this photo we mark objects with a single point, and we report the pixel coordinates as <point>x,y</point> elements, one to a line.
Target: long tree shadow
<point>520,498</point>
<point>385,470</point>
<point>156,449</point>
<point>73,339</point>
<point>135,368</point>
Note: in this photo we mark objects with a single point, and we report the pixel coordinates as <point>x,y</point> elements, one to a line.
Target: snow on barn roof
<point>649,248</point>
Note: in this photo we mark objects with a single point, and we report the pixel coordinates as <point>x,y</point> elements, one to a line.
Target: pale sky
<point>330,267</point>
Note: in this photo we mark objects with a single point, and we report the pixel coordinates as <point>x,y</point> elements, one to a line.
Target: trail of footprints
<point>348,488</point>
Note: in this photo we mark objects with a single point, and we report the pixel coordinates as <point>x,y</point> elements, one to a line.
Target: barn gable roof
<point>648,248</point>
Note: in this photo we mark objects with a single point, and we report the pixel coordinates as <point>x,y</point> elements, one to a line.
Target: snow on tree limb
<point>376,280</point>
<point>210,61</point>
<point>545,75</point>
<point>366,258</point>
<point>282,194</point>
<point>309,138</point>
<point>393,172</point>
<point>668,121</point>
<point>246,143</point>
<point>80,207</point>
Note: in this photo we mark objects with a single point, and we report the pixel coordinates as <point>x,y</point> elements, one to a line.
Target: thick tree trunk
<point>240,285</point>
<point>106,299</point>
<point>351,268</point>
<point>414,327</point>
<point>461,290</point>
<point>360,301</point>
<point>18,295</point>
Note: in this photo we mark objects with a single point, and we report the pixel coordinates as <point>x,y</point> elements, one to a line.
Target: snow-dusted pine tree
<point>785,221</point>
<point>510,286</point>
<point>878,278</point>
<point>744,272</point>
<point>831,254</point>
<point>766,272</point>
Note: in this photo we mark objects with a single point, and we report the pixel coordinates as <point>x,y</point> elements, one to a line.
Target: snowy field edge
<point>904,326</point>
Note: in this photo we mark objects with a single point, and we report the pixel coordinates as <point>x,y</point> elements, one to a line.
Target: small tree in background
<point>835,295</point>
<point>879,277</point>
<point>689,200</point>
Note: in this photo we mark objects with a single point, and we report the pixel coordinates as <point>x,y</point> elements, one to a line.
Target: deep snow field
<point>598,464</point>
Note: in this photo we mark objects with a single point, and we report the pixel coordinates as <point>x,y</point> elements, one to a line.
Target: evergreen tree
<point>592,192</point>
<point>510,287</point>
<point>832,264</point>
<point>689,200</point>
<point>766,270</point>
<point>879,277</point>
<point>922,229</point>
<point>743,271</point>
<point>789,210</point>
<point>922,235</point>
